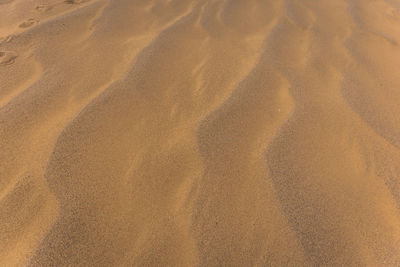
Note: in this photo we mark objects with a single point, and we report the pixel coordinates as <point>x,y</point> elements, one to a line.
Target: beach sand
<point>199,133</point>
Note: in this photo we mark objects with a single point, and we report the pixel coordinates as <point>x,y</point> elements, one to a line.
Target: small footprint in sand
<point>7,57</point>
<point>2,2</point>
<point>75,2</point>
<point>28,23</point>
<point>7,39</point>
<point>46,8</point>
<point>43,8</point>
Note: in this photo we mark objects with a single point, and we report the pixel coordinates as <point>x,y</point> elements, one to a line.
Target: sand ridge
<point>199,133</point>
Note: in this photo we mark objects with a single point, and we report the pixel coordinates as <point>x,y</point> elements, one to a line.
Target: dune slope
<point>199,133</point>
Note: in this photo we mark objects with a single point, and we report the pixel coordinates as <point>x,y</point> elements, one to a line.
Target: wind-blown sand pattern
<point>200,133</point>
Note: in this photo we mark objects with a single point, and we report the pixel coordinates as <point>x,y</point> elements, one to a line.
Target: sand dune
<point>199,133</point>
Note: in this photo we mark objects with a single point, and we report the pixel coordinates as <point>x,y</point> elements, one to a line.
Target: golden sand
<point>199,133</point>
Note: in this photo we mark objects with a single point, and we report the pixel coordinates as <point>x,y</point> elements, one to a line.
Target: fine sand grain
<point>199,133</point>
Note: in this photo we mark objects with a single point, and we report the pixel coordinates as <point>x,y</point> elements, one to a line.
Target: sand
<point>200,133</point>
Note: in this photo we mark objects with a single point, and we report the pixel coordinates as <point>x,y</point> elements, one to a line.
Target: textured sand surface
<point>200,133</point>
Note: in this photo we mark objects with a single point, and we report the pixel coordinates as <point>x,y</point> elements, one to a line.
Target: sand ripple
<point>199,133</point>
